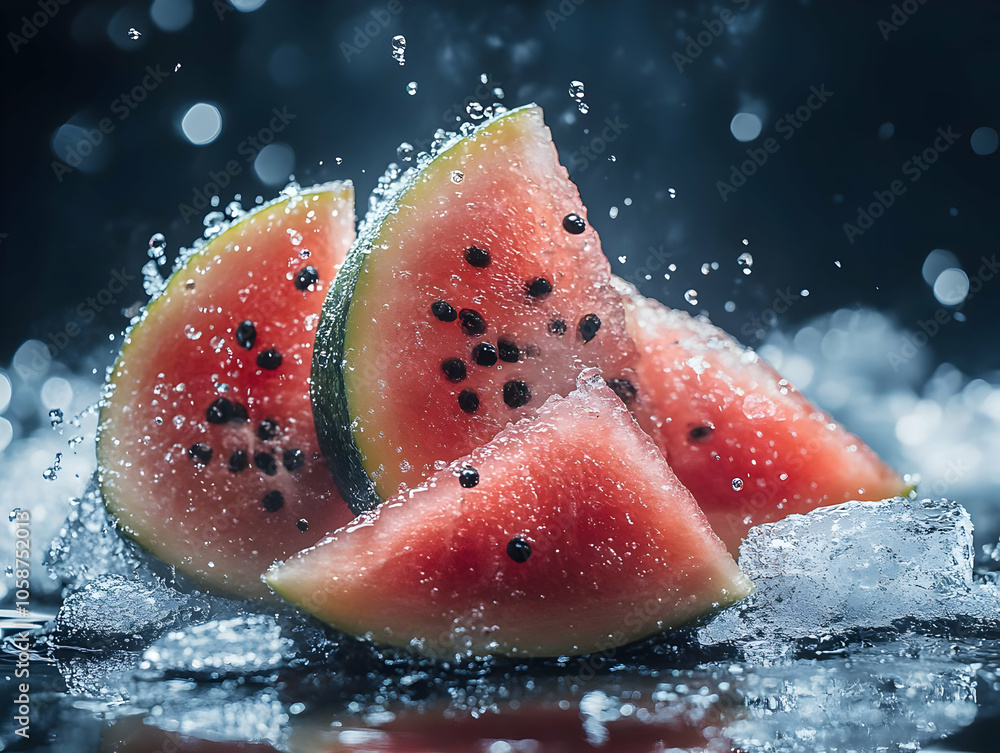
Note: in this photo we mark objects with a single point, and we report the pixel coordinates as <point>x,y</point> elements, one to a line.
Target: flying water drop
<point>691,296</point>
<point>134,33</point>
<point>737,484</point>
<point>745,260</point>
<point>399,49</point>
<point>411,88</point>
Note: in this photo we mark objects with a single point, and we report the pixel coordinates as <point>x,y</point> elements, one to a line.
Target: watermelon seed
<point>477,257</point>
<point>267,429</point>
<point>220,411</point>
<point>293,459</point>
<point>468,477</point>
<point>532,351</point>
<point>454,369</point>
<point>625,390</point>
<point>518,549</point>
<point>509,352</point>
<point>269,359</point>
<point>201,453</point>
<point>273,501</point>
<point>302,525</point>
<point>246,334</point>
<point>701,433</point>
<point>539,287</point>
<point>574,223</point>
<point>266,462</point>
<point>238,461</point>
<point>516,393</point>
<point>484,354</point>
<point>588,327</point>
<point>557,327</point>
<point>307,276</point>
<point>444,311</point>
<point>468,401</point>
<point>472,322</point>
<point>240,413</point>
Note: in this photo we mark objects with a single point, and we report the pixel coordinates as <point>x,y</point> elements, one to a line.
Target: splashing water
<point>745,260</point>
<point>399,49</point>
<point>691,296</point>
<point>411,88</point>
<point>134,33</point>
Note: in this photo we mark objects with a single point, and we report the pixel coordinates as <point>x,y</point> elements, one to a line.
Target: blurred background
<point>818,177</point>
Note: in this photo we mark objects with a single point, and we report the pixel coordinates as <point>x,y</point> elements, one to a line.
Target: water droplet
<point>737,484</point>
<point>217,342</point>
<point>134,33</point>
<point>13,514</point>
<point>74,441</point>
<point>405,152</point>
<point>475,111</point>
<point>411,88</point>
<point>691,296</point>
<point>498,92</point>
<point>214,223</point>
<point>457,176</point>
<point>672,192</point>
<point>706,268</point>
<point>745,260</point>
<point>157,242</point>
<point>837,263</point>
<point>177,67</point>
<point>191,333</point>
<point>613,212</point>
<point>234,209</point>
<point>55,417</point>
<point>584,108</point>
<point>399,49</point>
<point>576,89</point>
<point>730,306</point>
<point>339,160</point>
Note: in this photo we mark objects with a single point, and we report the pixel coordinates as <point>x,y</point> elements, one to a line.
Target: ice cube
<point>856,566</point>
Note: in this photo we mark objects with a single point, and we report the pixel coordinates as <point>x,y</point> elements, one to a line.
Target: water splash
<point>399,49</point>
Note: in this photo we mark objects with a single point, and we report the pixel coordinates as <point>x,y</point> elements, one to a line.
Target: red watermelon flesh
<point>565,534</point>
<point>474,292</point>
<point>207,449</point>
<point>750,447</point>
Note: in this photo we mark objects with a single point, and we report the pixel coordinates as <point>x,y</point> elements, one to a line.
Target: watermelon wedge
<point>476,289</point>
<point>207,450</point>
<point>750,447</point>
<point>565,534</point>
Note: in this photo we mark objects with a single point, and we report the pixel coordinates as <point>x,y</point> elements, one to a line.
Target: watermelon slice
<point>750,447</point>
<point>565,534</point>
<point>207,449</point>
<point>476,290</point>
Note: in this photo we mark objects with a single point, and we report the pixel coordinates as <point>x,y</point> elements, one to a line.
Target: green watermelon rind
<point>331,411</point>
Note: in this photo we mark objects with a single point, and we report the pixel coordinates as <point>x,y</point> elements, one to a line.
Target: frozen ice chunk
<point>241,645</point>
<point>115,612</point>
<point>855,566</point>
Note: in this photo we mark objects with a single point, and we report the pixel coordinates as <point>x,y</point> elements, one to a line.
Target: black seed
<point>508,351</point>
<point>701,433</point>
<point>538,287</point>
<point>623,388</point>
<point>200,453</point>
<point>267,429</point>
<point>273,501</point>
<point>246,334</point>
<point>477,257</point>
<point>240,413</point>
<point>307,276</point>
<point>468,477</point>
<point>454,369</point>
<point>468,401</point>
<point>269,359</point>
<point>472,322</point>
<point>557,327</point>
<point>588,327</point>
<point>484,354</point>
<point>220,411</point>
<point>238,461</point>
<point>574,223</point>
<point>266,462</point>
<point>532,351</point>
<point>516,393</point>
<point>302,525</point>
<point>293,459</point>
<point>518,549</point>
<point>444,311</point>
